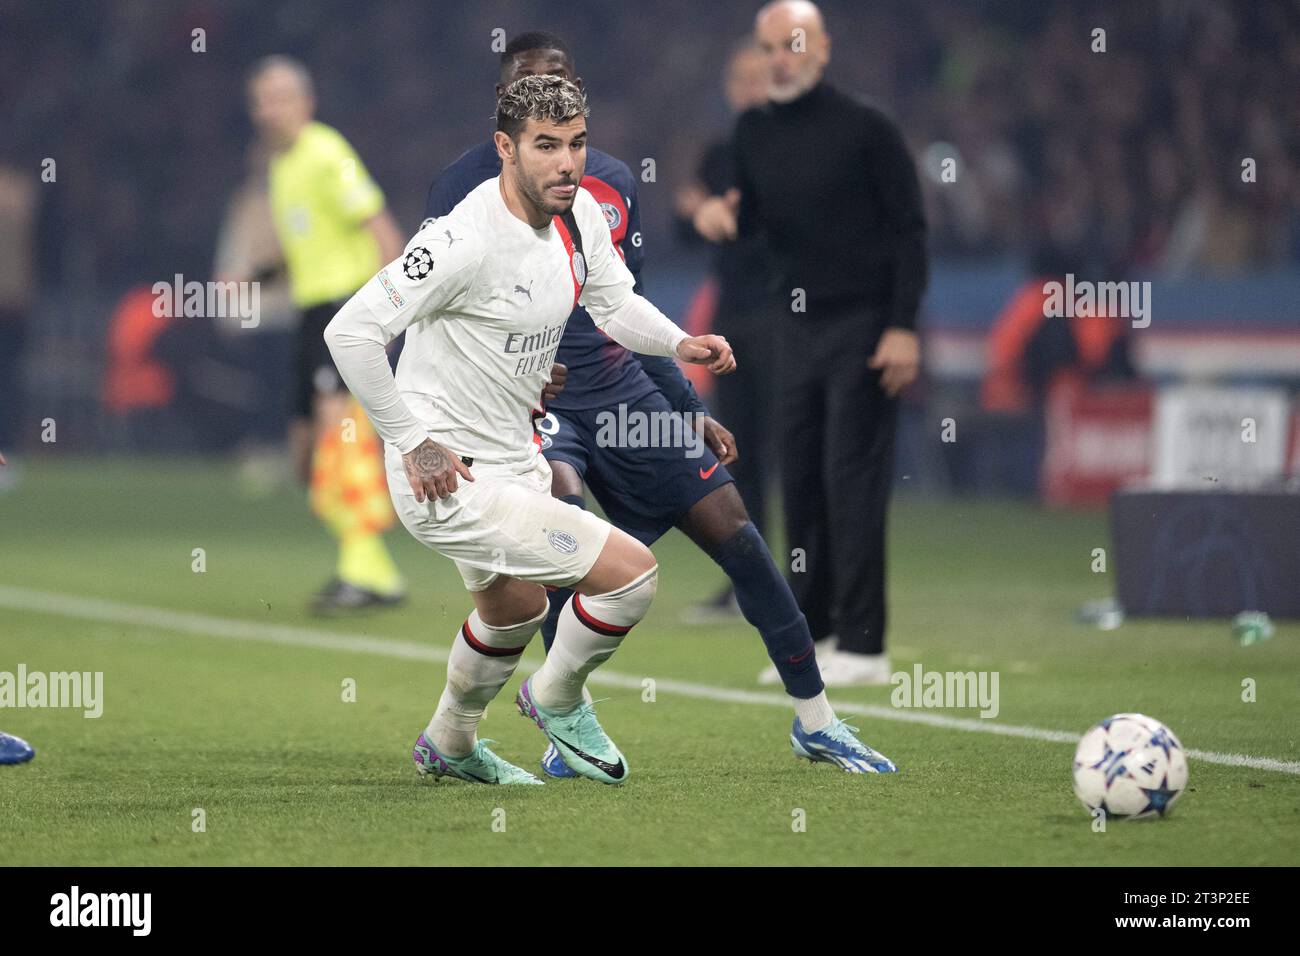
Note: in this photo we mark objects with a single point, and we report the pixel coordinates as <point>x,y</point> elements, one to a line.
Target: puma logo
<point>450,238</point>
<point>528,292</point>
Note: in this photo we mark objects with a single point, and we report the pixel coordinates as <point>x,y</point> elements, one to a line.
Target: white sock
<point>476,671</point>
<point>590,629</point>
<point>815,713</point>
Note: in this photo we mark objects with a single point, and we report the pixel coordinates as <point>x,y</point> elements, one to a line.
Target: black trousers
<point>836,445</point>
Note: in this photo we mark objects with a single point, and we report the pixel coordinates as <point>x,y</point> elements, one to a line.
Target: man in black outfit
<point>744,315</point>
<point>831,184</point>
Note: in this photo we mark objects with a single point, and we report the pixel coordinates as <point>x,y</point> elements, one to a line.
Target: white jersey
<point>484,299</point>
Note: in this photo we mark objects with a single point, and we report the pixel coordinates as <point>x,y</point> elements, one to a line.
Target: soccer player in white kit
<point>483,294</point>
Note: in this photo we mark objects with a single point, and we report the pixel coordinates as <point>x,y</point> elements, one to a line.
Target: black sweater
<point>743,267</point>
<point>831,183</point>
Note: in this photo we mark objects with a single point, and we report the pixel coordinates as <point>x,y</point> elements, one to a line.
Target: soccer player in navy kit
<point>647,490</point>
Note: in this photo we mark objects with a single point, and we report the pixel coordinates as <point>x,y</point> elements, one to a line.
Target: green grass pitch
<point>257,734</point>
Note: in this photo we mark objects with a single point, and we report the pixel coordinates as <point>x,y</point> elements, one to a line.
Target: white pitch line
<point>202,625</point>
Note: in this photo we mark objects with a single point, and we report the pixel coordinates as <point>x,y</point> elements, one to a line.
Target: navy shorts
<point>639,461</point>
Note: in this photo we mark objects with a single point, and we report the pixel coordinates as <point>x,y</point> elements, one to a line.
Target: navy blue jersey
<point>646,487</point>
<point>602,374</point>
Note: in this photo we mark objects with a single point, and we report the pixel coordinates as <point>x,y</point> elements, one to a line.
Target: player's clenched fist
<point>710,350</point>
<point>898,357</point>
<point>432,470</point>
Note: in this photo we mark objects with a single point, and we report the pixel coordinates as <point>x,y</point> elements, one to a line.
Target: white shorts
<point>505,522</point>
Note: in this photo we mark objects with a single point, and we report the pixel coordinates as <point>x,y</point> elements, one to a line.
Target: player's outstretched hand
<point>715,217</point>
<point>710,350</point>
<point>559,375</point>
<point>432,470</point>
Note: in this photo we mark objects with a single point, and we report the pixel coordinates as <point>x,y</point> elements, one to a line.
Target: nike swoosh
<point>472,776</point>
<point>706,474</point>
<point>804,655</point>
<point>615,770</point>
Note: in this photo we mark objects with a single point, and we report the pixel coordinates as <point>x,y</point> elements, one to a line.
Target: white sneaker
<point>822,648</point>
<point>846,669</point>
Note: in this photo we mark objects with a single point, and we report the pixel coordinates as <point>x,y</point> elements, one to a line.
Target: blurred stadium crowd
<point>1121,164</point>
<point>1132,155</point>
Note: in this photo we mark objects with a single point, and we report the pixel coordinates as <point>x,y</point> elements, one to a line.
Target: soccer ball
<point>1130,766</point>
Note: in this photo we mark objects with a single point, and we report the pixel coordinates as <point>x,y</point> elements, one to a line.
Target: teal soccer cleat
<point>578,738</point>
<point>479,766</point>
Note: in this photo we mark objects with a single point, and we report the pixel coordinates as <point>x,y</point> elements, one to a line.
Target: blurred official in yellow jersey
<point>335,233</point>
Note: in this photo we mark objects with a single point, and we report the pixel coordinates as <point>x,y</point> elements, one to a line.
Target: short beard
<point>550,207</point>
<point>791,91</point>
